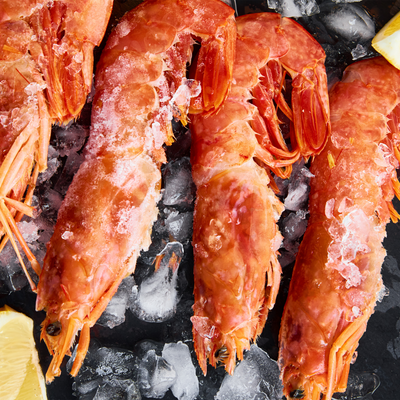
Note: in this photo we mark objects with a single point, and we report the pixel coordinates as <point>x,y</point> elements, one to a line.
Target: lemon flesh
<point>21,377</point>
<point>387,41</point>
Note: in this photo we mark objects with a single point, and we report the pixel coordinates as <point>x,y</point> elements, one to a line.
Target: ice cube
<point>71,167</point>
<point>29,230</point>
<point>156,298</point>
<point>114,314</point>
<point>346,1</point>
<point>183,140</point>
<point>294,8</point>
<point>52,165</point>
<point>295,190</point>
<point>12,276</point>
<point>155,375</point>
<point>45,228</point>
<point>179,185</point>
<point>69,139</point>
<point>118,389</point>
<point>255,378</point>
<point>359,51</point>
<point>180,225</point>
<point>106,371</point>
<point>186,386</point>
<point>283,185</point>
<point>299,188</point>
<point>297,197</point>
<point>144,346</point>
<point>359,386</point>
<point>50,203</point>
<point>293,226</point>
<point>159,236</point>
<point>285,257</point>
<point>349,21</point>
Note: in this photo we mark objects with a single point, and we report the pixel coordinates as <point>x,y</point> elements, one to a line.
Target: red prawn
<point>235,236</point>
<point>336,279</point>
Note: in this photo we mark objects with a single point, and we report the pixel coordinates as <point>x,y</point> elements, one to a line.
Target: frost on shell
<point>329,206</point>
<point>33,88</point>
<point>349,238</point>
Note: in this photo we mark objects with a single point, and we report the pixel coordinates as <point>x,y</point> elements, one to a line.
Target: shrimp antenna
<point>234,6</point>
<point>15,159</point>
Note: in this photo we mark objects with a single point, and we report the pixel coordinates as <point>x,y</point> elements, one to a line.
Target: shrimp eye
<point>297,394</point>
<point>54,329</point>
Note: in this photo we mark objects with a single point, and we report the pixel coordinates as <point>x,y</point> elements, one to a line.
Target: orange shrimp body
<point>235,237</point>
<point>336,279</point>
<point>46,68</point>
<point>107,215</point>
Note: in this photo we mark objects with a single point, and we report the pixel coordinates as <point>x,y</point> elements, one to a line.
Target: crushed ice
<point>107,373</point>
<point>255,378</point>
<point>360,385</point>
<point>155,375</point>
<point>293,222</point>
<point>294,8</point>
<point>155,299</point>
<point>349,21</point>
<point>114,314</point>
<point>186,386</point>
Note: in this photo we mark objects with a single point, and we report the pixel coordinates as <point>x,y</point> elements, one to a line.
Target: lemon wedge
<point>21,377</point>
<point>387,41</point>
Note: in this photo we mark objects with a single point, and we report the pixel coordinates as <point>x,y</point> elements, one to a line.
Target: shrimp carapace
<point>336,279</point>
<point>235,233</point>
<point>108,213</point>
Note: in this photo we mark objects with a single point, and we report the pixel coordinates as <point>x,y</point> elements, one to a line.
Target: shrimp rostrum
<point>107,215</point>
<point>46,68</point>
<point>336,279</point>
<point>235,236</point>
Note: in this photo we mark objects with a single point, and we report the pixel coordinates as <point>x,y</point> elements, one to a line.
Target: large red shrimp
<point>336,280</point>
<point>107,215</point>
<point>46,68</point>
<point>235,236</point>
